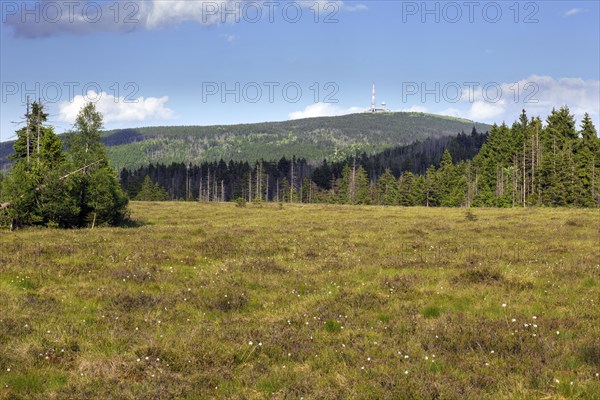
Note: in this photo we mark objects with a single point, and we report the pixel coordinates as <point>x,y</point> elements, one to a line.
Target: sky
<point>201,62</point>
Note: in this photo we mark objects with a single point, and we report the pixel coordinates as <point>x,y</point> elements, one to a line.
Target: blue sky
<point>221,62</point>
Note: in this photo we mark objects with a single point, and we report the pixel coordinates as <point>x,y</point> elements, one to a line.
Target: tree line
<point>527,164</point>
<point>287,179</point>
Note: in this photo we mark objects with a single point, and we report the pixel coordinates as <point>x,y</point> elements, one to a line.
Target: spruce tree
<point>362,187</point>
<point>406,190</point>
<point>97,190</point>
<point>387,189</point>
<point>39,188</point>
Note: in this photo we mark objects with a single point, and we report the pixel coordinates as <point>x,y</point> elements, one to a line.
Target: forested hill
<point>313,139</point>
<point>270,180</point>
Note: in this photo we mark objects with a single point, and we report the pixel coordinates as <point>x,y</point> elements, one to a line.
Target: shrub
<point>240,202</point>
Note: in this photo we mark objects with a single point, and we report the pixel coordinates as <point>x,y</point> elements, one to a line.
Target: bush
<point>240,202</point>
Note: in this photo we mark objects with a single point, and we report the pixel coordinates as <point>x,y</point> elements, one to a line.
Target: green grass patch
<point>314,301</point>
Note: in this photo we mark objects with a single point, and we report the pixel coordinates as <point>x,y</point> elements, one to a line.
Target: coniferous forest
<point>530,163</point>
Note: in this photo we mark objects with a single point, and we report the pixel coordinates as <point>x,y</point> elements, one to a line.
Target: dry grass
<point>323,302</point>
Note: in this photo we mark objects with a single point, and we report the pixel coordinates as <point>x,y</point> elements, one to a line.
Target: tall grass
<point>217,301</point>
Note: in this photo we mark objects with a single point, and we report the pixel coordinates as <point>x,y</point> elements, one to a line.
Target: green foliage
<point>530,165</point>
<point>332,326</point>
<point>522,165</point>
<point>19,190</point>
<point>431,312</point>
<point>334,138</point>
<point>240,202</point>
<point>48,187</point>
<point>106,203</point>
<point>32,134</point>
<point>387,189</point>
<point>257,202</point>
<point>60,202</point>
<point>354,186</point>
<point>83,144</point>
<point>151,191</point>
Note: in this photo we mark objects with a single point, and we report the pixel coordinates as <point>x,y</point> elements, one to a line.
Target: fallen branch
<point>79,170</point>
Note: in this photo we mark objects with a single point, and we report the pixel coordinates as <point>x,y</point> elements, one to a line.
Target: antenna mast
<point>373,99</point>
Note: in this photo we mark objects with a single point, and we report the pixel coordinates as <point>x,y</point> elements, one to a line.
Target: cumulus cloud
<point>206,12</point>
<point>117,109</point>
<point>482,111</point>
<point>43,18</point>
<point>323,110</point>
<point>536,94</point>
<point>493,102</point>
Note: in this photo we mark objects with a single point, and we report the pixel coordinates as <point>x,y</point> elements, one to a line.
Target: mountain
<point>313,138</point>
<point>227,181</point>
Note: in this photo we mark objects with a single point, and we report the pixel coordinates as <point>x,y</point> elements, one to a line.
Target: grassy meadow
<point>304,301</point>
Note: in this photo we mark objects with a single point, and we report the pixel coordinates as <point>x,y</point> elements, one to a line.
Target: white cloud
<point>323,110</point>
<point>493,102</point>
<point>206,12</point>
<point>118,109</point>
<point>573,11</point>
<point>482,111</point>
<point>330,7</point>
<point>355,7</point>
<point>450,112</point>
<point>421,109</point>
<point>536,94</point>
<point>96,16</point>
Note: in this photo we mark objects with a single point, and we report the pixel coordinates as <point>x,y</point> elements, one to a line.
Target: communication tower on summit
<point>374,108</point>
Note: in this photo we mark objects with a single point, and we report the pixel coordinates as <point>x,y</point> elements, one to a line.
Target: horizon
<point>105,131</point>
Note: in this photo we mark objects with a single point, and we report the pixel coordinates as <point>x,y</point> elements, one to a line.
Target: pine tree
<point>587,165</point>
<point>30,137</point>
<point>307,191</point>
<point>406,190</point>
<point>431,188</point>
<point>444,180</point>
<point>39,188</point>
<point>151,191</point>
<point>387,189</point>
<point>99,195</point>
<point>362,187</point>
<point>344,189</point>
<point>418,192</point>
<point>560,127</point>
